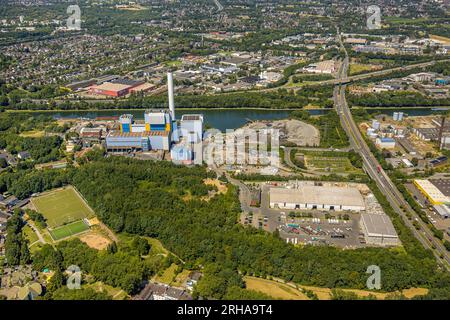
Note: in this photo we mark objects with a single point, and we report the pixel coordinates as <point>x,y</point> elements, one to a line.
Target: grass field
<point>115,293</point>
<point>62,206</point>
<point>287,292</point>
<point>274,289</point>
<point>440,38</point>
<point>30,235</point>
<point>33,134</point>
<point>68,230</point>
<point>356,68</point>
<point>168,275</point>
<point>181,278</point>
<point>338,164</point>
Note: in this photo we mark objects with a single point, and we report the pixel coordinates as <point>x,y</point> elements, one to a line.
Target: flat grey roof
<point>378,225</point>
<point>345,196</point>
<point>443,185</point>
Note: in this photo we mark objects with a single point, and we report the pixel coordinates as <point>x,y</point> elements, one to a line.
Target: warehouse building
<point>110,89</point>
<point>443,210</point>
<point>191,126</point>
<point>378,229</point>
<point>385,143</point>
<point>317,197</point>
<point>91,134</point>
<point>323,67</point>
<point>139,141</point>
<point>443,185</point>
<point>120,87</point>
<point>431,192</point>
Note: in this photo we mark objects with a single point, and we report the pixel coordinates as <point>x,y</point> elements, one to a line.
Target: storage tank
<point>395,116</point>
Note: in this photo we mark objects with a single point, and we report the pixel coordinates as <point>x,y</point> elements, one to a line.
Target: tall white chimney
<point>170,91</point>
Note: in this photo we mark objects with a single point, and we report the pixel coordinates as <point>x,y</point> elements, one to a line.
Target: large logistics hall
<point>317,197</point>
<point>432,192</point>
<point>378,229</point>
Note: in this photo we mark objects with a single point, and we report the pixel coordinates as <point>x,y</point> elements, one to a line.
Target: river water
<point>221,118</point>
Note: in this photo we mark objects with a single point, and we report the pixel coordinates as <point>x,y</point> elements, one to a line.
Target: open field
<point>328,161</point>
<point>440,38</point>
<point>35,247</point>
<point>332,163</point>
<point>274,289</point>
<point>157,247</point>
<point>62,206</point>
<point>33,134</point>
<point>221,188</point>
<point>356,68</point>
<point>95,239</point>
<point>286,291</point>
<point>30,235</point>
<point>115,293</point>
<point>168,275</point>
<point>181,278</point>
<point>69,230</point>
<point>295,131</point>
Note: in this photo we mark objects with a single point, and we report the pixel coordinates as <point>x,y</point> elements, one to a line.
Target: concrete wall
<point>384,241</point>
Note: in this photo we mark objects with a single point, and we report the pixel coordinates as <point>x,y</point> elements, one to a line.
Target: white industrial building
<point>191,127</point>
<point>317,197</point>
<point>443,210</point>
<point>385,143</point>
<point>378,229</point>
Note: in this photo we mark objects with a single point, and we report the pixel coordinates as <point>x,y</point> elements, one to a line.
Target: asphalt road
<point>374,170</point>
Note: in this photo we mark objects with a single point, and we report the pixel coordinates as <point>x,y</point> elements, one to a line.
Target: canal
<point>222,118</point>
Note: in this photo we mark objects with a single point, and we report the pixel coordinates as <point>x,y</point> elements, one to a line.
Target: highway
<point>374,170</point>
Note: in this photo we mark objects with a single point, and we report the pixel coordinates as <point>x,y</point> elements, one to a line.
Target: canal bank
<point>223,118</point>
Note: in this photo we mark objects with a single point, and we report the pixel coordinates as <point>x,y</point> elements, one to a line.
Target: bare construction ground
<point>300,133</point>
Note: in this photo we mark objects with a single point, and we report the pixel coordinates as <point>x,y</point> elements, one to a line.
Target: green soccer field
<point>69,230</point>
<point>62,206</point>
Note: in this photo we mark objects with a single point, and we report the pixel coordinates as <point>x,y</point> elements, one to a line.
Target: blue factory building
<point>152,134</point>
<point>181,153</point>
<point>158,130</point>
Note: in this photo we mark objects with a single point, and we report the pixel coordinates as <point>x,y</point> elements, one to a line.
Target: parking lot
<point>314,227</point>
<point>435,218</point>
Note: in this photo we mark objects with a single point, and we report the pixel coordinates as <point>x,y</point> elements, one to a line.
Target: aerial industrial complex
<point>437,194</point>
<point>378,229</point>
<point>342,214</point>
<point>317,197</point>
<point>158,131</point>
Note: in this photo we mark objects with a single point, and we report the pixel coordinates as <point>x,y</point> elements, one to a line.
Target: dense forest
<point>277,99</point>
<point>331,132</point>
<point>395,99</point>
<point>42,149</point>
<point>157,199</point>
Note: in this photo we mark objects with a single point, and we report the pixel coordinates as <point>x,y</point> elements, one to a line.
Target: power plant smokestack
<point>170,91</point>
